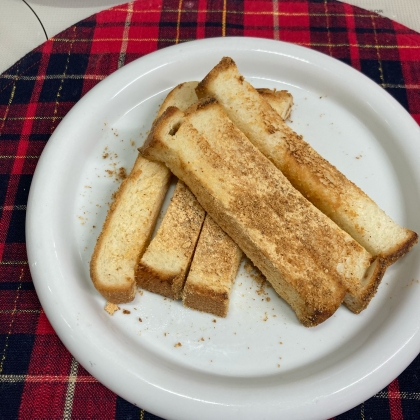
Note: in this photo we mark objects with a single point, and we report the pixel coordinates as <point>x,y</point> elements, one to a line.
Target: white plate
<point>259,362</point>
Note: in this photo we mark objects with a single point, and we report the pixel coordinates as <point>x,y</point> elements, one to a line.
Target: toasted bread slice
<point>164,265</point>
<point>308,260</point>
<point>127,230</point>
<point>132,217</point>
<point>213,271</point>
<point>318,180</point>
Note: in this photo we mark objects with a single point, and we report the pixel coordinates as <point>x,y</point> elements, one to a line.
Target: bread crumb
<point>111,308</point>
<point>248,267</point>
<point>214,320</point>
<point>256,275</point>
<point>122,173</point>
<point>141,292</point>
<point>178,345</point>
<point>140,320</point>
<point>411,283</point>
<point>126,312</point>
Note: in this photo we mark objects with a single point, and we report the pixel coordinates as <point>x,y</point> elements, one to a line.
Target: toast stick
<point>318,180</point>
<point>302,253</point>
<point>127,230</point>
<point>213,271</point>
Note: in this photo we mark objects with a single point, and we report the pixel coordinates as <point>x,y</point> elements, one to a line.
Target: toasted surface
<point>213,271</point>
<point>127,230</point>
<point>302,253</point>
<point>163,267</point>
<point>318,180</point>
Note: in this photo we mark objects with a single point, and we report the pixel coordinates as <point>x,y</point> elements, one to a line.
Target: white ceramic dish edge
<point>398,356</point>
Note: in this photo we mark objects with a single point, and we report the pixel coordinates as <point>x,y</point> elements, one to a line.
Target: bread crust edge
<point>199,298</point>
<point>168,285</point>
<point>112,293</point>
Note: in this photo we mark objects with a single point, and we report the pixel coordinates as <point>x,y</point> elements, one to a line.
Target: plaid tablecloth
<point>39,379</point>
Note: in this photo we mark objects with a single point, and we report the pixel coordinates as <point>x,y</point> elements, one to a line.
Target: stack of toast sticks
<point>247,183</point>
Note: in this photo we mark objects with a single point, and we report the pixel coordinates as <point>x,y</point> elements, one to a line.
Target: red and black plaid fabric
<point>39,379</point>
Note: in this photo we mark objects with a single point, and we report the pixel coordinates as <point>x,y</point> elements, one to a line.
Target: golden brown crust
<point>401,249</point>
<point>116,294</point>
<point>200,298</point>
<point>158,126</point>
<point>357,302</point>
<point>157,282</point>
<point>202,88</point>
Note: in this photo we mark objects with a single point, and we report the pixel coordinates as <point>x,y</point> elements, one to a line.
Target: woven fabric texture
<point>39,379</point>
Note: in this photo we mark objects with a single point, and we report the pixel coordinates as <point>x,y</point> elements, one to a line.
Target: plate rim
<point>409,350</point>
